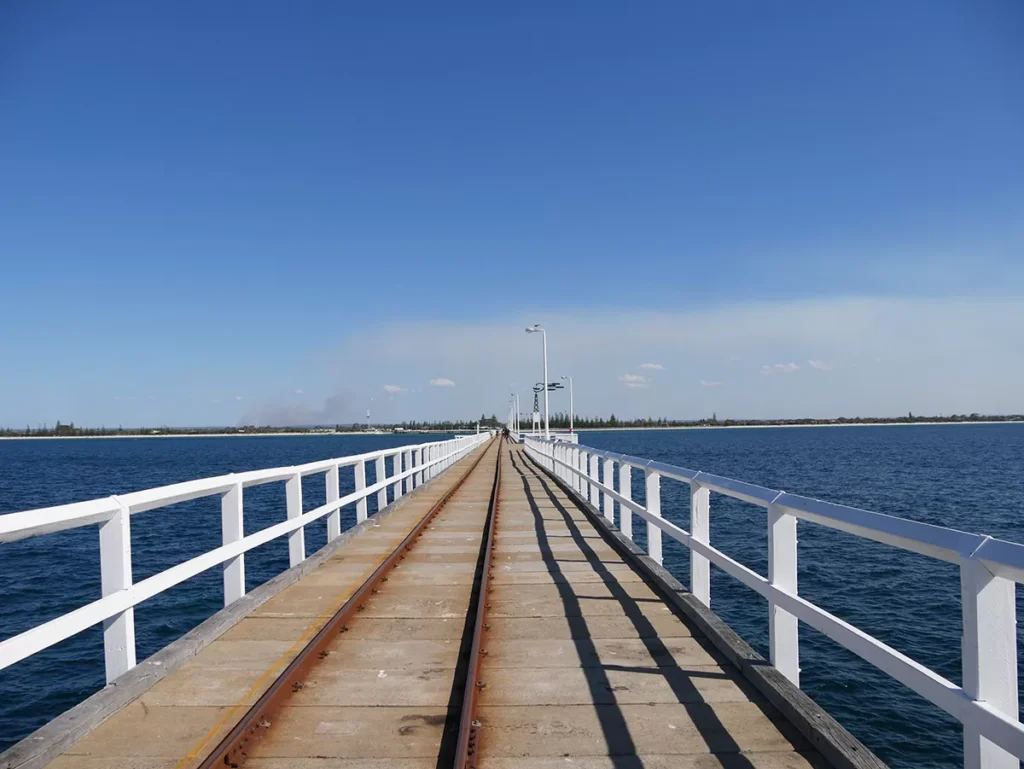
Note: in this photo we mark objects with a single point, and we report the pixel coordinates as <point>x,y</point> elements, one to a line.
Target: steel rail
<point>467,748</point>
<point>233,749</point>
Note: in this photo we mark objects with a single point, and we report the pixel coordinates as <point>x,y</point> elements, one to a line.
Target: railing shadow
<point>621,747</point>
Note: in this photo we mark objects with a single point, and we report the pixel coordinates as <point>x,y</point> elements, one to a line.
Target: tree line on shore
<point>69,430</point>
<point>559,421</point>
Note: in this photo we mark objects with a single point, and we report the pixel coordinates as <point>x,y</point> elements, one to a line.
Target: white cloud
<point>709,383</point>
<point>779,368</point>
<point>442,382</point>
<point>635,381</point>
<point>298,391</point>
<point>238,397</point>
<point>820,365</point>
<point>389,388</point>
<point>940,355</point>
<point>652,366</point>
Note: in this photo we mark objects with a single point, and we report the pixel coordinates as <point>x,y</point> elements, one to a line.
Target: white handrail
<point>120,594</point>
<point>986,704</point>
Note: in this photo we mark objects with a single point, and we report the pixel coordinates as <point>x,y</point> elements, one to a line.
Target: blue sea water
<point>969,477</point>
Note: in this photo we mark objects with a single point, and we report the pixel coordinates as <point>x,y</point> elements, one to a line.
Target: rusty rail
<point>468,746</point>
<point>233,749</point>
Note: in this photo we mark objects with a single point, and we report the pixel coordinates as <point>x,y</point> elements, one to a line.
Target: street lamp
<point>571,407</point>
<point>515,412</point>
<point>544,336</point>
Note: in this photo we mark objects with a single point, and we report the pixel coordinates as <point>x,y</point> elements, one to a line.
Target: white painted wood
<point>700,529</point>
<point>414,462</point>
<point>783,628</point>
<point>297,539</point>
<point>936,541</point>
<point>116,577</point>
<point>360,481</point>
<point>989,623</point>
<point>652,483</point>
<point>333,492</point>
<point>625,491</point>
<point>595,497</point>
<point>585,478</point>
<point>46,520</point>
<point>609,480</point>
<point>232,530</point>
<point>989,657</point>
<point>408,466</point>
<point>120,595</point>
<point>382,495</point>
<point>396,472</point>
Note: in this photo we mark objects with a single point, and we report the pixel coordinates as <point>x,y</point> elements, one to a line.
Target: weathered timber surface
<point>817,730</point>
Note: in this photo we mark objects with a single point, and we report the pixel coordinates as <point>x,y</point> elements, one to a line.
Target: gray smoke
<point>335,410</point>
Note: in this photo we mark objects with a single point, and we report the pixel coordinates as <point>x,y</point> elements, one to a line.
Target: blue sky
<point>206,209</point>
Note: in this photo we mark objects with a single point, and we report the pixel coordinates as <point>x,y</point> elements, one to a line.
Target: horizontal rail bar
<point>42,636</point>
<point>944,543</point>
<point>1000,558</point>
<point>29,523</point>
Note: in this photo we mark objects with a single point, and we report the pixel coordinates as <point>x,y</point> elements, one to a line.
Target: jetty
<point>495,613</point>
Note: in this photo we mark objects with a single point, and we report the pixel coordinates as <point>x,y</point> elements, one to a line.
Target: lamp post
<point>535,328</point>
<point>572,409</point>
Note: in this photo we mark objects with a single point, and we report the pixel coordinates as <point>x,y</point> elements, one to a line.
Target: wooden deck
<point>586,665</point>
<point>586,662</point>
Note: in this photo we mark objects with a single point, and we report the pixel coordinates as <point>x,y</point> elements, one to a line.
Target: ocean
<point>969,477</point>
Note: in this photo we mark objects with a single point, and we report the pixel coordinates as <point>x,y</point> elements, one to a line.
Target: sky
<point>232,213</point>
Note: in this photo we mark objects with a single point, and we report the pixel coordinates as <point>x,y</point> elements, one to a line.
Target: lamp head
<point>534,328</point>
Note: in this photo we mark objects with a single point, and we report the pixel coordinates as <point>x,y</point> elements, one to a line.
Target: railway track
<point>421,619</point>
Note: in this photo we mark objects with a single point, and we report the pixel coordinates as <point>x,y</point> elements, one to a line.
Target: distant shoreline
<point>771,427</point>
<point>292,434</point>
<point>207,435</point>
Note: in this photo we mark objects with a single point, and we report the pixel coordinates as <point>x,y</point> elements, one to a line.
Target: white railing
<point>986,704</point>
<point>113,514</point>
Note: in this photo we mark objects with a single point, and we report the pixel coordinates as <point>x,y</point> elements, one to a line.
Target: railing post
<point>382,495</point>
<point>585,470</point>
<point>297,539</point>
<point>360,471</point>
<point>609,481</point>
<point>580,463</point>
<point>232,530</point>
<point>595,497</point>
<point>989,657</point>
<point>396,472</point>
<point>652,482</point>
<point>115,575</point>
<point>783,628</point>
<point>333,495</point>
<point>422,474</point>
<point>700,530</point>
<point>414,479</point>
<point>407,456</point>
<point>626,490</point>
